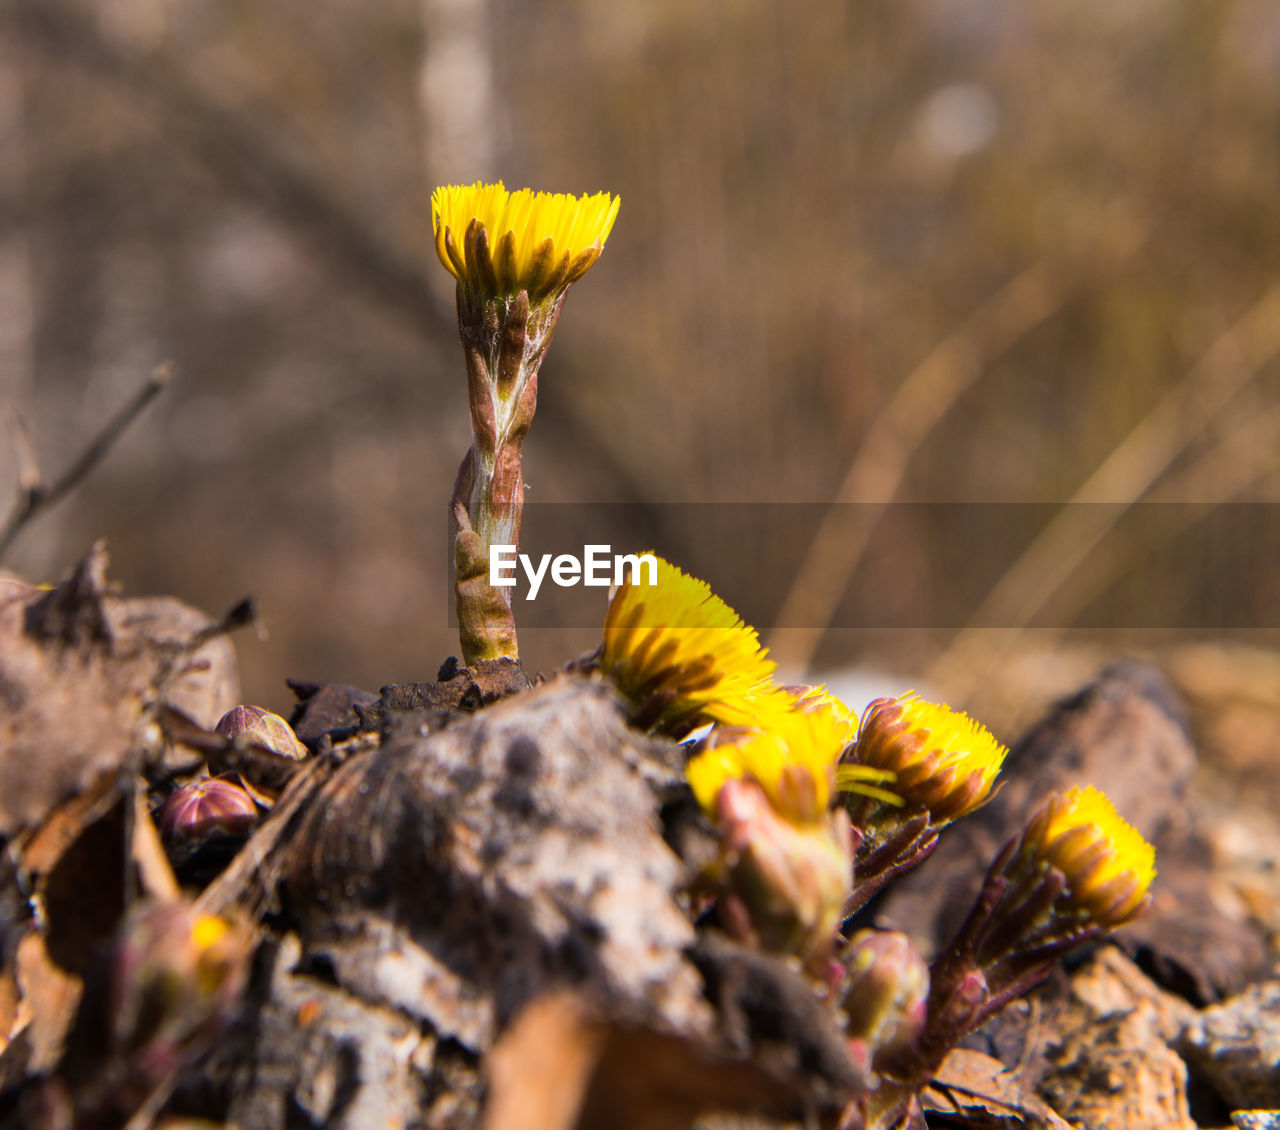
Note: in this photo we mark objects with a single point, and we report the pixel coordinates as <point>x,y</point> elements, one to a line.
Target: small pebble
<point>1256,1119</point>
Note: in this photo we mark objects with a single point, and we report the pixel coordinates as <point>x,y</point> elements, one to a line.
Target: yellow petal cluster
<point>1108,865</point>
<point>943,761</point>
<point>808,741</point>
<point>501,242</point>
<point>793,759</point>
<point>683,656</point>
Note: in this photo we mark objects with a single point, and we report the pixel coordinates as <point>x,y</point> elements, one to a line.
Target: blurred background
<point>960,283</point>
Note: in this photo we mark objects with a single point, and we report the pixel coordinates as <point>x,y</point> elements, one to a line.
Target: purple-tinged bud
<point>206,810</point>
<point>262,728</point>
<point>885,997</point>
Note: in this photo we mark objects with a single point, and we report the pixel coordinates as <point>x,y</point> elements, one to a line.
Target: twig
<point>1113,488</point>
<point>920,402</point>
<point>34,496</point>
<point>242,614</point>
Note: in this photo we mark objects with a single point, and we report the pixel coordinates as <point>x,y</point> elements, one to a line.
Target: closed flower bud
<point>206,810</point>
<point>885,997</point>
<point>790,880</point>
<point>262,728</point>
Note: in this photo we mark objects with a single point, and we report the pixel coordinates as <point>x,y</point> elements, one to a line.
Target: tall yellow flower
<point>501,242</point>
<point>682,656</point>
<point>944,762</point>
<point>1108,866</point>
<point>514,255</point>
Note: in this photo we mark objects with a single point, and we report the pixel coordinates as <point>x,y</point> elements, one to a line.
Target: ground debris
<point>978,1091</point>
<point>457,882</point>
<point>476,905</point>
<point>457,689</point>
<point>78,665</point>
<point>507,852</point>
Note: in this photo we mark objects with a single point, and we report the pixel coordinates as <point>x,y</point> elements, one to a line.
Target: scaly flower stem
<point>486,628</point>
<point>504,341</point>
<point>514,256</point>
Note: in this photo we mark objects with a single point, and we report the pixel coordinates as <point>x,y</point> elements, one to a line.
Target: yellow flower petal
<point>793,758</point>
<point>683,656</point>
<point>1108,865</point>
<point>536,241</point>
<point>944,761</point>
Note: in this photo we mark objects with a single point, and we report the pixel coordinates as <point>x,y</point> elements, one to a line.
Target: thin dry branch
<point>34,496</point>
<point>1135,463</point>
<point>931,389</point>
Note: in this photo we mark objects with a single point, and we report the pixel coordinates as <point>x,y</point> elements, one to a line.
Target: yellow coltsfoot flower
<point>515,255</point>
<point>501,242</point>
<point>791,756</point>
<point>943,761</point>
<point>1108,866</point>
<point>683,657</point>
<point>1077,872</point>
<point>785,857</point>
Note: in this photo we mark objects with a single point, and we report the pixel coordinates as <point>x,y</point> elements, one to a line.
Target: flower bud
<point>682,657</point>
<point>943,761</point>
<point>1107,864</point>
<point>791,880</point>
<point>262,728</point>
<point>206,810</point>
<point>885,996</point>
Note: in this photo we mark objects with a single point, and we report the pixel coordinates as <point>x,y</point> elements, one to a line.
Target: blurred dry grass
<point>817,210</point>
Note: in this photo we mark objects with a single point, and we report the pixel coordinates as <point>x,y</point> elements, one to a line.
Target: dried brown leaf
<point>78,668</point>
<point>981,1092</point>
